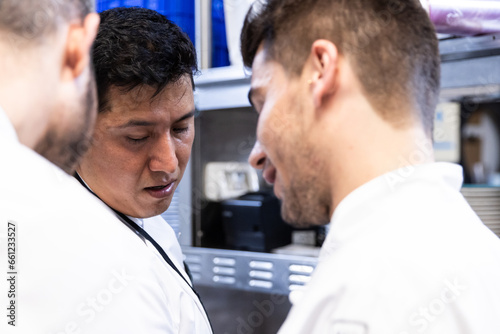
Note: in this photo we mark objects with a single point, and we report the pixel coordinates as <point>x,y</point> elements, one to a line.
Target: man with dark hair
<point>346,92</point>
<point>70,265</point>
<point>142,143</point>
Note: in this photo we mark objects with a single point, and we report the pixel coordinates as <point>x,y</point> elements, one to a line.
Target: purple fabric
<point>464,17</point>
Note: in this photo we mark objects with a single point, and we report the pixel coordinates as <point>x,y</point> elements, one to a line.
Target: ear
<point>324,57</point>
<point>78,46</point>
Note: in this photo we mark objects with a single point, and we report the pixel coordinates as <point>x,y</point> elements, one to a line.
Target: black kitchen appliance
<point>252,222</point>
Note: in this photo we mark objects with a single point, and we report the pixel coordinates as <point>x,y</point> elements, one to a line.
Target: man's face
<point>141,147</point>
<point>285,147</point>
<point>70,128</point>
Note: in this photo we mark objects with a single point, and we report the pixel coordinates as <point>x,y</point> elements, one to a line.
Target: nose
<point>257,157</point>
<point>164,156</point>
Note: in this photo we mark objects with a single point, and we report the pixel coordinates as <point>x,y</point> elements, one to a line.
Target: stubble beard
<point>304,203</point>
<point>306,199</point>
<point>65,147</point>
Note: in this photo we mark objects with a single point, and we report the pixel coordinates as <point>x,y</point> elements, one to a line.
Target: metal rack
<point>470,68</point>
<point>470,71</point>
<point>250,271</point>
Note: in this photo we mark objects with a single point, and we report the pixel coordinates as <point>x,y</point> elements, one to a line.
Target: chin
<point>147,214</point>
<point>297,223</point>
<point>291,216</point>
<point>157,210</point>
<point>147,208</point>
<point>303,217</point>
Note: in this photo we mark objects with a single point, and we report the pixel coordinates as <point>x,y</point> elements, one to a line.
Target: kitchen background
<point>245,260</point>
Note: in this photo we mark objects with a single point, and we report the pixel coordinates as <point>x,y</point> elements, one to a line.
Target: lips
<point>161,191</point>
<point>269,174</point>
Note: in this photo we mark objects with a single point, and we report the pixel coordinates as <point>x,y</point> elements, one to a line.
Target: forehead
<point>176,98</point>
<point>263,70</point>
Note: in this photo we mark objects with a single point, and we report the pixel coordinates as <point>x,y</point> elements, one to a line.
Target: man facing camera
<point>143,137</point>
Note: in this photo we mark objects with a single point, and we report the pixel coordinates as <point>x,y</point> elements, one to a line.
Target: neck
<point>371,147</point>
<point>22,113</point>
<point>27,87</point>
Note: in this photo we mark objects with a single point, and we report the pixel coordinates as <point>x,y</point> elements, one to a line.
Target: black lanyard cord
<point>145,235</point>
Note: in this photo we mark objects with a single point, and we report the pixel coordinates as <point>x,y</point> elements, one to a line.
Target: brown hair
<point>32,20</point>
<point>391,44</point>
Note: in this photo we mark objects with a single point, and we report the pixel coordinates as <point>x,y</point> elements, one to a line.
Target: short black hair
<point>138,46</point>
<point>32,20</point>
<point>391,44</point>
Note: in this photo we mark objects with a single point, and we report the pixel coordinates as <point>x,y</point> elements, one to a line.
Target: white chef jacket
<point>78,268</point>
<point>165,236</point>
<point>405,254</point>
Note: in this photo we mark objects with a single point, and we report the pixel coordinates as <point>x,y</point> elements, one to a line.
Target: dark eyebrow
<point>137,122</point>
<point>134,122</point>
<point>186,116</point>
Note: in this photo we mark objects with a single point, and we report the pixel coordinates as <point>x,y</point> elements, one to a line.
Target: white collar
<point>138,221</point>
<point>347,218</point>
<point>7,130</point>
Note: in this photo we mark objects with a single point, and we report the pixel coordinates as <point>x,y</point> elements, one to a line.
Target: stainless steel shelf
<point>222,88</point>
<point>470,69</point>
<point>250,271</point>
<point>469,47</point>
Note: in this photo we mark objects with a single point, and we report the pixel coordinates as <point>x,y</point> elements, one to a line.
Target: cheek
<point>265,133</point>
<point>270,130</point>
<point>115,162</point>
<point>183,155</point>
<point>183,150</point>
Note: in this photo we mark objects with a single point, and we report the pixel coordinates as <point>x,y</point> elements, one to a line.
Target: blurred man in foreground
<point>346,92</point>
<point>71,265</point>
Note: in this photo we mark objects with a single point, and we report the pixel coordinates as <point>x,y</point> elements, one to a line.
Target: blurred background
<point>245,260</point>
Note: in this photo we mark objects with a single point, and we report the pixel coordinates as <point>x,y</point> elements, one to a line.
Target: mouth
<point>269,175</point>
<point>161,191</point>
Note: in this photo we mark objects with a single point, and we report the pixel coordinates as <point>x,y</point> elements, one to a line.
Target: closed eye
<point>137,140</point>
<point>181,130</point>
